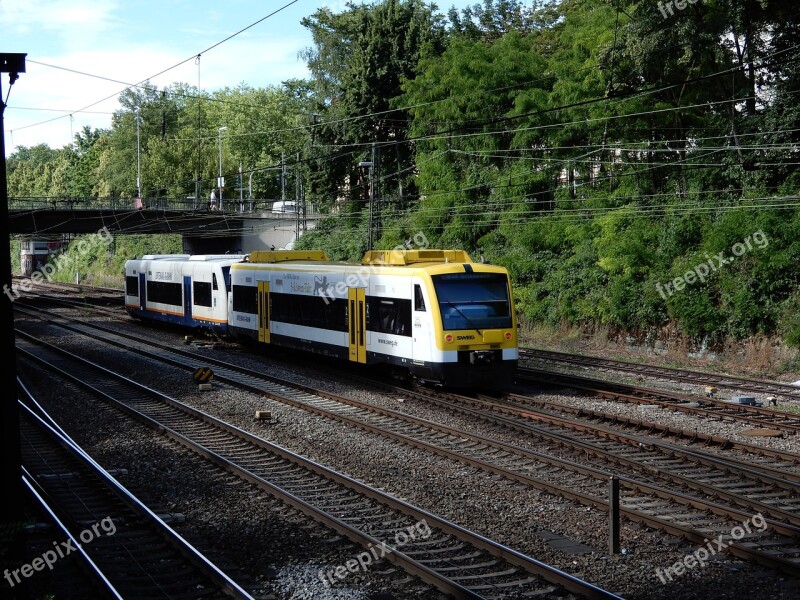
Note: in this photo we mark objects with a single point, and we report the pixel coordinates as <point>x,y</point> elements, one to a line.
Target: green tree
<point>359,61</point>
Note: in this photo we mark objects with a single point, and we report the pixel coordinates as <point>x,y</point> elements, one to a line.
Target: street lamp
<point>219,180</point>
<point>138,157</point>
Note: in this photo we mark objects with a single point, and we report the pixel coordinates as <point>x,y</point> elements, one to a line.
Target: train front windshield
<point>473,300</point>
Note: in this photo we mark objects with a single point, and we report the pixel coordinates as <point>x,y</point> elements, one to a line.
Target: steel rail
<point>427,574</point>
<point>680,402</point>
<point>634,515</point>
<point>118,491</point>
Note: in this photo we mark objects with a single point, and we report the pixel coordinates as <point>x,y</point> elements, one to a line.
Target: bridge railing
<point>229,205</point>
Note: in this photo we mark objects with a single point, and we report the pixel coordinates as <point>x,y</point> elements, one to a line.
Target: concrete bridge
<point>234,227</point>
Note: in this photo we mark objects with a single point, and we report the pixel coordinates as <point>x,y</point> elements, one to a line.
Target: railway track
<point>70,288</point>
<point>531,354</point>
<point>669,373</point>
<point>127,550</point>
<point>752,416</point>
<point>451,559</point>
<point>710,476</point>
<point>701,406</point>
<point>692,437</point>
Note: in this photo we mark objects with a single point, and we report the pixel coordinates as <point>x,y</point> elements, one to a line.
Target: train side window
<point>245,299</point>
<point>214,281</point>
<point>132,285</point>
<point>389,315</point>
<point>202,293</point>
<point>419,301</point>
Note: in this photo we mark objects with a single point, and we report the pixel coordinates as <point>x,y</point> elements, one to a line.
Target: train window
<point>311,311</point>
<point>245,299</point>
<point>473,300</point>
<point>226,277</point>
<point>165,293</point>
<point>419,300</point>
<point>214,280</point>
<point>132,286</point>
<point>201,291</point>
<point>389,315</point>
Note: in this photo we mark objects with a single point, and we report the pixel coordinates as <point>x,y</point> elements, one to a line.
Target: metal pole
<point>250,189</point>
<point>613,515</point>
<point>283,182</point>
<point>219,179</point>
<point>138,156</point>
<point>369,164</point>
<point>13,64</point>
<point>375,172</point>
<point>371,206</point>
<point>297,198</point>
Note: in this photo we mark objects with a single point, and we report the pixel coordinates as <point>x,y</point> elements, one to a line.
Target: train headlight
<point>508,335</point>
<point>448,338</point>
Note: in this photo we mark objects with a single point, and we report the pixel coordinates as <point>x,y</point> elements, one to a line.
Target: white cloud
<point>131,42</point>
<point>68,19</point>
<point>61,95</point>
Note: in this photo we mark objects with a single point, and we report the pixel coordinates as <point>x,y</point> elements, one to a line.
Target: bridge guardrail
<point>232,205</point>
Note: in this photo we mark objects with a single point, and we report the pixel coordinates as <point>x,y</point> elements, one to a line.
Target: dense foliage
<point>633,164</point>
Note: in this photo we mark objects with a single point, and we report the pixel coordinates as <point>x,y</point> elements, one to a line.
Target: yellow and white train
<point>431,314</point>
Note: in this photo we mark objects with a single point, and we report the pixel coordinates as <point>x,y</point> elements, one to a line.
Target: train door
<point>421,326</point>
<point>142,290</point>
<point>263,311</point>
<point>187,299</point>
<point>357,324</point>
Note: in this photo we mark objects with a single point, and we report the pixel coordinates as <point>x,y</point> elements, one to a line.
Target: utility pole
<point>13,64</point>
<point>241,190</point>
<point>374,211</point>
<point>374,189</point>
<point>283,182</point>
<point>301,198</point>
<point>368,164</point>
<point>299,224</point>
<point>220,180</point>
<point>138,156</point>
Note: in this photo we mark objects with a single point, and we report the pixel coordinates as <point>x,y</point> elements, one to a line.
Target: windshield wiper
<point>466,318</point>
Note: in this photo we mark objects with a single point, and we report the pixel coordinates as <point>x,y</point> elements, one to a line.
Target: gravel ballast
<point>282,552</point>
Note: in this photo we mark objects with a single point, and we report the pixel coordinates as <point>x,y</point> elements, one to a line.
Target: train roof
<point>392,258</point>
<point>388,259</point>
<point>432,261</point>
<point>165,257</point>
<point>194,257</point>
<point>399,258</point>
<point>208,257</point>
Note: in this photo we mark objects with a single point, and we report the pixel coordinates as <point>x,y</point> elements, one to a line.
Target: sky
<point>82,53</point>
